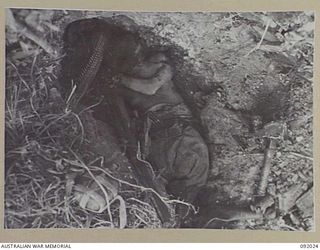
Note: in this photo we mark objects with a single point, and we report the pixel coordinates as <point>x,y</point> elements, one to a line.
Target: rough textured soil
<point>248,75</point>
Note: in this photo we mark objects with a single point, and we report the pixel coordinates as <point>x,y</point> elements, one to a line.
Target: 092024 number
<point>309,246</point>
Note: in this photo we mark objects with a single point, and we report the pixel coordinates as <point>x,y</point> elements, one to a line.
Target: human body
<point>173,146</point>
<point>123,66</point>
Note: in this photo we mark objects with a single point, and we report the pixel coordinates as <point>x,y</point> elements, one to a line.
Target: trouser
<point>181,158</point>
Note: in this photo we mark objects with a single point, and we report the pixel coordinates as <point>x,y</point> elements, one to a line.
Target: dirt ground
<point>251,69</point>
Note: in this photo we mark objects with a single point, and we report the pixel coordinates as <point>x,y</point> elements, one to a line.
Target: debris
<point>272,131</point>
<point>27,32</point>
<point>288,199</point>
<point>295,220</point>
<point>261,40</point>
<point>299,139</point>
<point>269,38</point>
<point>261,204</point>
<point>300,155</point>
<point>229,215</point>
<point>305,203</point>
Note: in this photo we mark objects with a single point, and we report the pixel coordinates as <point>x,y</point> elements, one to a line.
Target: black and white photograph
<point>159,120</point>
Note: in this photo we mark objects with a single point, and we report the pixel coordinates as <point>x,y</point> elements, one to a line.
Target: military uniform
<point>178,152</point>
<point>172,145</point>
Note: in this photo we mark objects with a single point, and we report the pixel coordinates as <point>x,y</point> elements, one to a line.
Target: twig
<point>27,32</point>
<point>139,201</point>
<point>302,156</point>
<point>289,227</point>
<point>102,224</point>
<point>74,87</point>
<point>19,75</point>
<point>144,213</point>
<point>141,220</point>
<point>75,219</point>
<point>51,123</point>
<point>92,106</point>
<point>32,68</point>
<point>218,219</point>
<point>28,214</point>
<point>33,94</point>
<point>261,40</point>
<point>81,126</point>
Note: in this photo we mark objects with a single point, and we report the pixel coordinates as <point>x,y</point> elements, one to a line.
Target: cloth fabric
<point>180,156</point>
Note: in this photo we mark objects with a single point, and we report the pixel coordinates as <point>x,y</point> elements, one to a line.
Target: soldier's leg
<point>190,165</point>
<point>183,161</point>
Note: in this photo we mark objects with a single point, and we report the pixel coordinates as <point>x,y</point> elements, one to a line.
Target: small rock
<point>309,224</point>
<point>295,220</point>
<point>299,138</point>
<point>295,178</point>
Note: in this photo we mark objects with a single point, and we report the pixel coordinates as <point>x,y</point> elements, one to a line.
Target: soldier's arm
<point>148,86</point>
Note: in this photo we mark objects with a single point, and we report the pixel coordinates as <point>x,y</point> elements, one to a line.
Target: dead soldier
<point>171,144</point>
<point>143,78</point>
<point>111,60</point>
